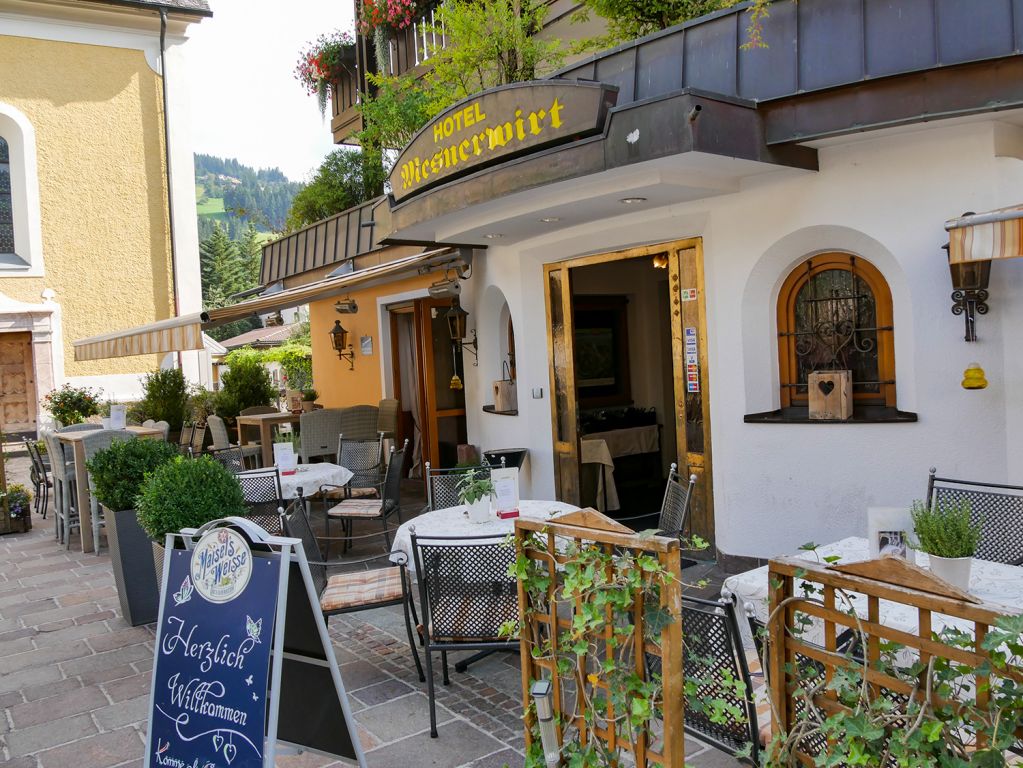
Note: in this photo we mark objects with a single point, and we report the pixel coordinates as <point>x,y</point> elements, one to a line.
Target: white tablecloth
<point>310,477</point>
<point>995,583</point>
<point>630,440</point>
<point>454,521</point>
<point>595,451</point>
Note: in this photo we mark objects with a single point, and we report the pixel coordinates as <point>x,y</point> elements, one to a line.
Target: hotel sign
<point>497,125</point>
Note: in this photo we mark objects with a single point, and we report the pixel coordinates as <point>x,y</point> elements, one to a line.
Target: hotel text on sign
<point>497,125</point>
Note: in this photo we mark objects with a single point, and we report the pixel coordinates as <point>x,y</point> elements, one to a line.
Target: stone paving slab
<point>75,677</point>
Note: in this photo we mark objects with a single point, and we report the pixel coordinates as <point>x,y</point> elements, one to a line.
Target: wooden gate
<point>17,383</point>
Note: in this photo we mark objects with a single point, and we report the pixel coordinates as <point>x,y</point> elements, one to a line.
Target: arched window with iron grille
<point>6,200</point>
<point>835,313</point>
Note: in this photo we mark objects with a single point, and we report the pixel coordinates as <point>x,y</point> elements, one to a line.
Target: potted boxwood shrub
<point>946,532</point>
<point>186,493</point>
<point>117,474</point>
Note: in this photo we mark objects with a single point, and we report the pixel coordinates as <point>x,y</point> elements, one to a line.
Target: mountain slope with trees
<point>236,195</point>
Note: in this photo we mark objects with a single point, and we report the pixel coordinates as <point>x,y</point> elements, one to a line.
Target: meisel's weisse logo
<point>221,565</point>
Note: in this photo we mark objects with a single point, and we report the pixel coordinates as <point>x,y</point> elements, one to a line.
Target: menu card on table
<point>118,416</point>
<point>506,492</point>
<point>284,458</point>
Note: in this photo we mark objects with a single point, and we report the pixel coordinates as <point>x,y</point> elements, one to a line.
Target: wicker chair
<point>318,434</point>
<point>388,503</point>
<point>358,588</point>
<point>713,662</point>
<point>198,440</point>
<point>263,497</point>
<point>65,518</point>
<point>164,426</point>
<point>360,422</point>
<point>387,417</point>
<point>466,596</point>
<point>93,444</point>
<point>79,428</point>
<point>998,509</point>
<point>442,484</point>
<point>222,440</point>
<point>185,438</point>
<point>40,477</point>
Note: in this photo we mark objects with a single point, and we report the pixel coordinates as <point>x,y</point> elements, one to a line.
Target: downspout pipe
<point>169,175</point>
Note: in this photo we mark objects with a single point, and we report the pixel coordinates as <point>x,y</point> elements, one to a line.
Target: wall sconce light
<point>456,317</point>
<point>969,294</point>
<point>346,307</point>
<point>339,341</point>
<point>541,692</point>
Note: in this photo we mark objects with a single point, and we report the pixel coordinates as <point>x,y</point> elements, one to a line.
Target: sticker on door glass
<point>688,294</point>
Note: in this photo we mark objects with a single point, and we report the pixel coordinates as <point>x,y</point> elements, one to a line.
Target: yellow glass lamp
<point>973,377</point>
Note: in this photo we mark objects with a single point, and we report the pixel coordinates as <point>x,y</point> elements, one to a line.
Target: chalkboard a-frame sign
<point>243,659</point>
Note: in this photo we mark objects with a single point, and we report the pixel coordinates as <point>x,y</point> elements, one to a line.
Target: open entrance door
<point>629,381</point>
<point>428,380</point>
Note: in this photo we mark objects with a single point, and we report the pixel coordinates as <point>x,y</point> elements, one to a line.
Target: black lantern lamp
<point>456,317</point>
<point>339,341</point>
<point>969,294</point>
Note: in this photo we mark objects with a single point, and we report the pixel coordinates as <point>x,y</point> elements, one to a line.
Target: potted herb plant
<point>308,399</point>
<point>476,492</point>
<point>948,534</point>
<point>186,493</point>
<point>117,475</point>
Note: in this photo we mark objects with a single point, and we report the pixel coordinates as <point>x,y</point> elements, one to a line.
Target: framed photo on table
<point>890,532</point>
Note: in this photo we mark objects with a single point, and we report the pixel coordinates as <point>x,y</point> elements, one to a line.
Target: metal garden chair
<point>388,503</point>
<point>230,458</point>
<point>716,667</point>
<point>998,508</point>
<point>363,458</point>
<point>93,444</point>
<point>465,595</point>
<point>263,497</point>
<point>675,506</point>
<point>442,484</point>
<point>359,587</point>
<point>40,477</point>
<point>318,434</point>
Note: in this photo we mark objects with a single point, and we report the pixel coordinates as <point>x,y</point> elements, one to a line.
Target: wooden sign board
<point>243,658</point>
<point>497,125</point>
<point>902,573</point>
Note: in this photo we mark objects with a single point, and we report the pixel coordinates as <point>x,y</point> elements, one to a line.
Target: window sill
<point>867,414</point>
<point>491,409</point>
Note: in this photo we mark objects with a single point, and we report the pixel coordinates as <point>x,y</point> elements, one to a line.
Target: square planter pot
<point>132,561</point>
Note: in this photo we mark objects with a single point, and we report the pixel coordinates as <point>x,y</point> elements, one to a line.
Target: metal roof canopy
<point>185,332</point>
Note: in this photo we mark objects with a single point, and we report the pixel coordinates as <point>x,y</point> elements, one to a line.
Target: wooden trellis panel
<point>663,743</point>
<point>876,580</point>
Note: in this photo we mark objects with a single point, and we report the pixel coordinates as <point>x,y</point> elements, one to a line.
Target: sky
<point>246,102</point>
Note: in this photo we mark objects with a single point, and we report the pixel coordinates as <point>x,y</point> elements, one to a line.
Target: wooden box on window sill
<point>505,395</point>
<point>830,395</point>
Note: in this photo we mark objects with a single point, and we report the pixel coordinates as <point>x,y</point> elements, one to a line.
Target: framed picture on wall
<point>602,350</point>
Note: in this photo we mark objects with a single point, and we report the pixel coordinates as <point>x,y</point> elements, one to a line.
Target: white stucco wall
<point>883,198</point>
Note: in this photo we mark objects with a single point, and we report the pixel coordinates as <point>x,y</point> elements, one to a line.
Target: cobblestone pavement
<point>75,677</point>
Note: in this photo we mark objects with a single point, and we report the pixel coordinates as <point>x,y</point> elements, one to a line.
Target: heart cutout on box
<point>826,387</point>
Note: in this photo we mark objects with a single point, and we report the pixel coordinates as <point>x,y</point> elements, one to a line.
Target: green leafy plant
<point>322,62</point>
<point>165,396</point>
<point>245,384</point>
<point>72,405</point>
<point>345,178</point>
<point>310,395</point>
<point>19,500</point>
<point>202,403</point>
<point>296,361</point>
<point>945,529</point>
<point>472,488</point>
<point>119,471</point>
<point>187,493</point>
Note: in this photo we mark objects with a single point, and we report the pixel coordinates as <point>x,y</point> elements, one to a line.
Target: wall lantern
<point>339,341</point>
<point>456,317</point>
<point>969,294</point>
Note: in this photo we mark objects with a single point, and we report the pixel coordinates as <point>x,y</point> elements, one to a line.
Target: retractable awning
<point>984,236</point>
<point>185,332</point>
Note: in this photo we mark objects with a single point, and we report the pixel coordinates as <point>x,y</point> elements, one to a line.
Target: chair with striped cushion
<point>363,458</point>
<point>350,510</point>
<point>355,585</point>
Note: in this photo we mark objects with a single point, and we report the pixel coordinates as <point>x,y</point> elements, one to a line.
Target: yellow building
<point>97,224</point>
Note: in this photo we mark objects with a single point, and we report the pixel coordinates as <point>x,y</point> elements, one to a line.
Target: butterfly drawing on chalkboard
<point>253,628</point>
<point>184,594</point>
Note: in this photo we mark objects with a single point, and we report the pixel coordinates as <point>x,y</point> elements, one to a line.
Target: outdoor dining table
<point>74,439</point>
<point>454,521</point>
<point>266,423</point>
<point>309,477</point>
<point>993,583</point>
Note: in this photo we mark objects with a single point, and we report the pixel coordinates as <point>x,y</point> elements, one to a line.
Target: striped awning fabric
<point>185,332</point>
<point>984,236</point>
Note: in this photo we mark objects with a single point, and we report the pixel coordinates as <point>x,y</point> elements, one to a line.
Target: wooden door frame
<point>675,249</point>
